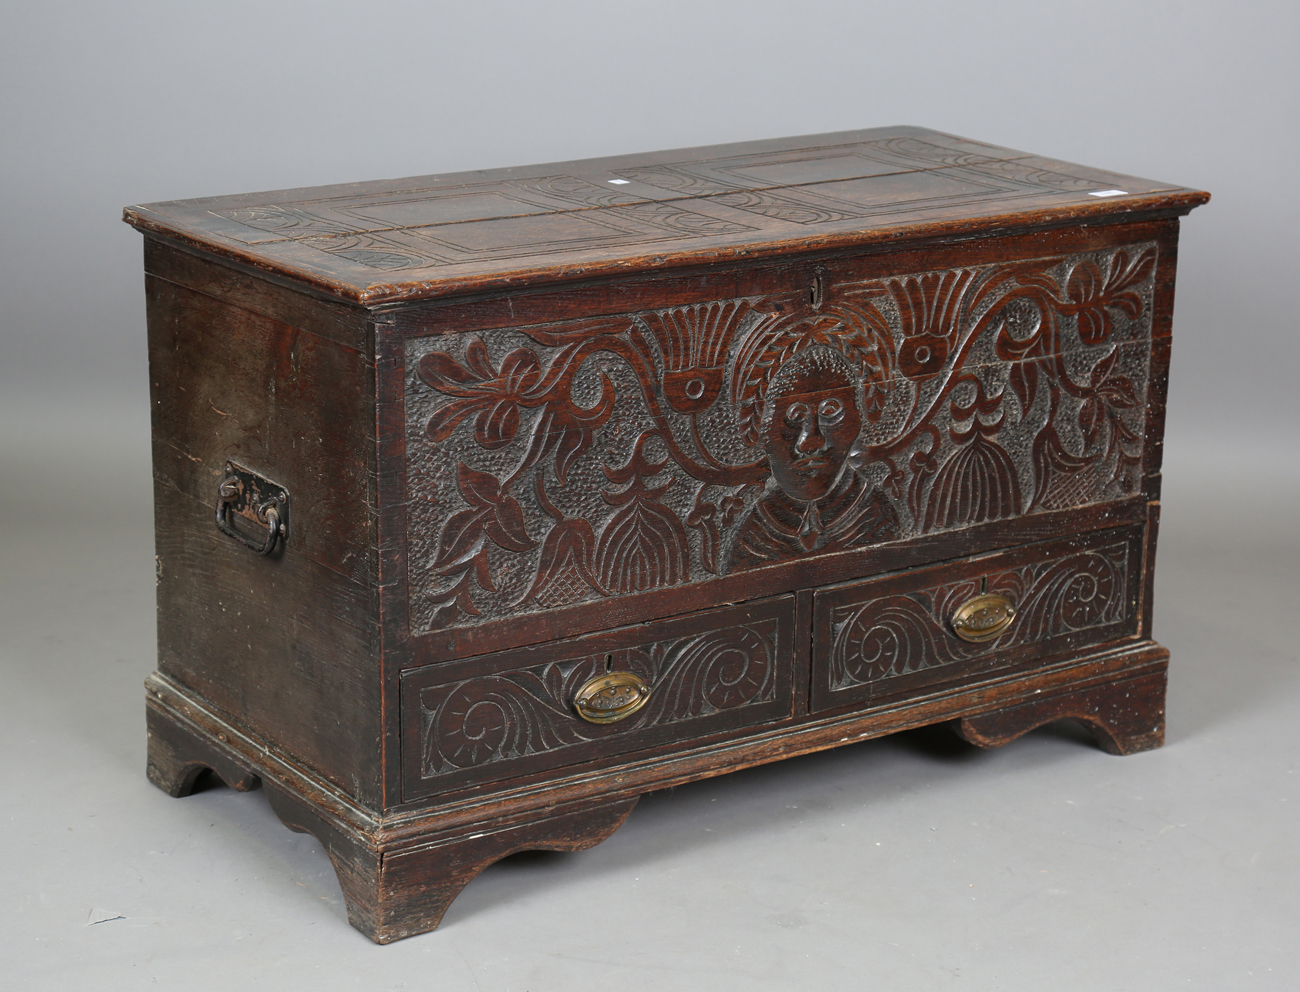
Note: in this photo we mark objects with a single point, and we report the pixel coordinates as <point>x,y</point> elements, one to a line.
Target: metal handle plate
<point>983,618</point>
<point>610,698</point>
<point>242,493</point>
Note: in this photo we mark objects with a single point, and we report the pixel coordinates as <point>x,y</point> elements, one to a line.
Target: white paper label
<point>1109,192</point>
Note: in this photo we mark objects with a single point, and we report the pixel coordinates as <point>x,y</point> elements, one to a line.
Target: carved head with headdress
<point>803,388</point>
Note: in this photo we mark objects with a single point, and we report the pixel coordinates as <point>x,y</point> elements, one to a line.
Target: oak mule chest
<point>487,502</point>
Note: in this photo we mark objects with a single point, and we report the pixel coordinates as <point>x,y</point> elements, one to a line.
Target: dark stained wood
<point>443,645</point>
<point>231,383</point>
<point>658,768</point>
<point>177,758</point>
<point>504,715</point>
<point>741,428</point>
<point>1147,596</point>
<point>341,323</point>
<point>716,497</point>
<point>1127,716</point>
<point>893,636</point>
<point>654,288</point>
<point>447,846</point>
<point>402,891</point>
<point>399,874</point>
<point>441,235</point>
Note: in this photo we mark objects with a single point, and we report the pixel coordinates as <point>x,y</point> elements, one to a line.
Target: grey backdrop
<point>1044,863</point>
<point>111,104</point>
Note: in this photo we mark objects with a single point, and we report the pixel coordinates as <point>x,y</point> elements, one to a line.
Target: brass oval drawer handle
<point>983,618</point>
<point>610,698</point>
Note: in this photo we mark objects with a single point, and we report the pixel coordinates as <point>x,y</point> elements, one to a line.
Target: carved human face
<point>813,424</point>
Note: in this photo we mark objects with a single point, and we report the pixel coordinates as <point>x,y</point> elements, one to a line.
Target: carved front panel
<point>574,461</point>
<point>894,634</point>
<point>515,711</point>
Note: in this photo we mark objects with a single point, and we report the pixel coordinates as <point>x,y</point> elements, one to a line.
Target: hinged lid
<point>430,236</point>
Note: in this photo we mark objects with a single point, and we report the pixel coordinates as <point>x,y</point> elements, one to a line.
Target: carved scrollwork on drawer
<point>703,674</point>
<point>900,632</point>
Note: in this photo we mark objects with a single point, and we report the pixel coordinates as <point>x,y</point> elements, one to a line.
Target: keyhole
<point>815,291</point>
<point>609,663</point>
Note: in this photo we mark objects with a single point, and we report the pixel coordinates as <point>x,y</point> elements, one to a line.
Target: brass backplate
<point>983,618</point>
<point>610,698</point>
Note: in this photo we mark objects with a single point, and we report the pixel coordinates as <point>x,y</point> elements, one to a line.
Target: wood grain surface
<point>430,236</point>
<point>742,428</point>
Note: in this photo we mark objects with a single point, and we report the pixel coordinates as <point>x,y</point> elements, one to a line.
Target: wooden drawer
<point>514,712</point>
<point>877,639</point>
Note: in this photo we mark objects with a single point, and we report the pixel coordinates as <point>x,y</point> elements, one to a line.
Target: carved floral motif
<point>902,634</point>
<point>566,462</point>
<point>500,718</point>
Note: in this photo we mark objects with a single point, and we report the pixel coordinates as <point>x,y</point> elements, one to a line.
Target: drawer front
<point>513,712</point>
<point>874,640</point>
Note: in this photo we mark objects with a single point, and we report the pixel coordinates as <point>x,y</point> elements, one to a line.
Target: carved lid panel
<point>433,236</point>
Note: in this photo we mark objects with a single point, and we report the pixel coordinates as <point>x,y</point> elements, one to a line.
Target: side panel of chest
<point>576,461</point>
<point>285,645</point>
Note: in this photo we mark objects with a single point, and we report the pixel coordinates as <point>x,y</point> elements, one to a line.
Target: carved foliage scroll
<point>497,719</point>
<point>567,462</point>
<point>905,634</point>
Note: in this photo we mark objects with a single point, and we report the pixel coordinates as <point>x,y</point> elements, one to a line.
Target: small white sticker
<point>1109,192</point>
<point>618,182</point>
